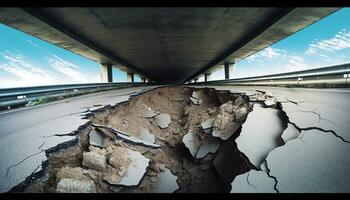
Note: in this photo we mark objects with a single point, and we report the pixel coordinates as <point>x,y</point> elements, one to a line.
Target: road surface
<point>314,157</point>
<point>25,133</point>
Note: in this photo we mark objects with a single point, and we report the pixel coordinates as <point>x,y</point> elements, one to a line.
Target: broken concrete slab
<point>126,137</point>
<point>192,143</point>
<point>167,183</point>
<point>253,182</point>
<point>106,132</point>
<point>195,94</point>
<point>134,171</point>
<point>196,101</point>
<point>75,186</point>
<point>211,145</point>
<point>95,159</point>
<point>149,113</point>
<point>269,103</point>
<point>163,120</point>
<point>261,133</point>
<point>145,135</point>
<point>136,141</point>
<point>96,138</point>
<point>207,126</point>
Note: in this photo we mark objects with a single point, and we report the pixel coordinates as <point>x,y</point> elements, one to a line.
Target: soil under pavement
<point>193,175</point>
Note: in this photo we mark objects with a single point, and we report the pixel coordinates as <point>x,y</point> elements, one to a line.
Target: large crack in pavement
<point>268,172</point>
<point>122,124</point>
<point>183,123</point>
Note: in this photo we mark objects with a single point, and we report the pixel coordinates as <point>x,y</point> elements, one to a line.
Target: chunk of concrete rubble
<point>145,135</point>
<point>163,120</point>
<point>207,126</point>
<point>75,186</point>
<point>95,159</point>
<point>192,143</point>
<point>211,145</point>
<point>195,94</point>
<point>96,138</point>
<point>269,102</point>
<point>229,120</point>
<point>120,159</point>
<point>134,171</point>
<point>196,101</point>
<point>118,134</point>
<point>167,183</point>
<point>253,182</point>
<point>135,140</point>
<point>106,133</point>
<point>149,113</point>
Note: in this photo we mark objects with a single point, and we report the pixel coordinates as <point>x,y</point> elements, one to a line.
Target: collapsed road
<point>181,139</point>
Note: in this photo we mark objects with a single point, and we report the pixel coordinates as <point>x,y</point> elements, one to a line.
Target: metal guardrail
<point>22,95</point>
<point>332,75</point>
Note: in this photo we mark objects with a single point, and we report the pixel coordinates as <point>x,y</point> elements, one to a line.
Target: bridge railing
<point>338,75</point>
<point>20,96</point>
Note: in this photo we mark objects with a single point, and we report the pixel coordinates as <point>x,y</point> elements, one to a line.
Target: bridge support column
<point>195,80</point>
<point>143,79</point>
<point>206,77</point>
<point>229,67</point>
<point>106,73</point>
<point>130,77</point>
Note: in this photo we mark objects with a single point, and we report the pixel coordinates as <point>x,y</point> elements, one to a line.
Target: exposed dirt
<point>193,175</point>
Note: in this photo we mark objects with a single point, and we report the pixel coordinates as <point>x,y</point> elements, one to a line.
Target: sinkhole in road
<point>169,139</point>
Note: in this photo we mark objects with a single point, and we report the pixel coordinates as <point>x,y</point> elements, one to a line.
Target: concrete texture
<point>169,45</point>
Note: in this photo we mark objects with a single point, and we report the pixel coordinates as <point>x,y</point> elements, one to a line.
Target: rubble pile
<point>165,140</point>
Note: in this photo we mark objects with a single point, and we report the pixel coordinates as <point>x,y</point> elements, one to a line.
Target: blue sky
<point>28,61</point>
<point>324,43</point>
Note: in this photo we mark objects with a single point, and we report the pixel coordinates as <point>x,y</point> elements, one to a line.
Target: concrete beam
<point>229,70</point>
<point>106,73</point>
<point>130,77</point>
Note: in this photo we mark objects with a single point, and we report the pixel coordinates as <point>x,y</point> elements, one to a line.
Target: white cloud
<point>25,74</point>
<point>340,41</point>
<point>67,68</point>
<point>33,44</point>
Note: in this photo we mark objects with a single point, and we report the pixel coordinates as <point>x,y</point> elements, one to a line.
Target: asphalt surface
<point>314,159</point>
<point>25,133</point>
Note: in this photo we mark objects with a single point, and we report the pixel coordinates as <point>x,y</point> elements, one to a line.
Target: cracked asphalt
<point>26,133</point>
<point>315,157</point>
<point>312,158</point>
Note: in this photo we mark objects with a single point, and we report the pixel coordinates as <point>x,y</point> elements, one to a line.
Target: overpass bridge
<point>163,45</point>
<point>287,128</point>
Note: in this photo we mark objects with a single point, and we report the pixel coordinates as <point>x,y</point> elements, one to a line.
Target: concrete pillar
<point>206,77</point>
<point>229,70</point>
<point>143,79</point>
<point>130,77</point>
<point>106,73</point>
<point>195,80</point>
